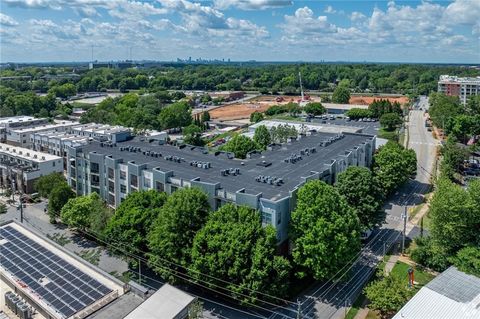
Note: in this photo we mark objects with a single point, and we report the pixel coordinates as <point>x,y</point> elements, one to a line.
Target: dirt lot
<point>243,110</point>
<point>366,100</point>
<point>262,103</point>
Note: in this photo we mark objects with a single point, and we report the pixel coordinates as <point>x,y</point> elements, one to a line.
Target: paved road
<point>331,299</point>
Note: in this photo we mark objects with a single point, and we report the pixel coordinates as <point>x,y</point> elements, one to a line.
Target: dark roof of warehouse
<point>249,168</point>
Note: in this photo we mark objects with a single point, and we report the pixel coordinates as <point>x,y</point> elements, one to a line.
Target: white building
<point>167,302</point>
<point>453,294</point>
<point>23,166</point>
<point>458,86</point>
<point>22,136</point>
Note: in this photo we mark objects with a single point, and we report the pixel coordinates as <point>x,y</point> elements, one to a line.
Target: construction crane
<point>304,98</point>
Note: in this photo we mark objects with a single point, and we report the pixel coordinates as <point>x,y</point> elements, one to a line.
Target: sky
<point>240,30</point>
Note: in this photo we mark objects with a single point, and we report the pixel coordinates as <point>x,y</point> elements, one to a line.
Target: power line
<point>203,298</point>
<point>332,285</point>
<point>188,278</point>
<point>185,277</point>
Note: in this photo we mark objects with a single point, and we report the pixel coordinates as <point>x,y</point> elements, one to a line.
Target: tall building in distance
<point>458,86</point>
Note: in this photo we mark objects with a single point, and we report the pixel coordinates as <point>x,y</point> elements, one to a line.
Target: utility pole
<point>404,216</point>
<point>139,271</point>
<point>299,309</point>
<point>21,208</point>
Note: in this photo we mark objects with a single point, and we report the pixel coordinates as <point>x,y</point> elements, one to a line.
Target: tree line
<point>272,78</point>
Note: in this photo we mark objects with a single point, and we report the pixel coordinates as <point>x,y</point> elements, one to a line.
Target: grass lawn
<point>285,117</point>
<point>420,276</point>
<point>389,135</point>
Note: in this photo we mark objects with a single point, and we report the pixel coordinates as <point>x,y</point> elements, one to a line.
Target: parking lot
<point>367,127</point>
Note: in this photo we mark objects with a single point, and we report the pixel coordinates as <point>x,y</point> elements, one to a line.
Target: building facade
<point>266,181</point>
<point>22,166</point>
<point>458,86</point>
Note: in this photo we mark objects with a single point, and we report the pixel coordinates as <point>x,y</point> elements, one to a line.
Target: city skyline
<point>242,30</point>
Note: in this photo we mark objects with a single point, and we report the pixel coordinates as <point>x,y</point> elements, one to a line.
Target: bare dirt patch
<point>366,100</point>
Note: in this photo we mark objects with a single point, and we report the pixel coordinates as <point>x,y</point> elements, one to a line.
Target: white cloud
<point>357,16</point>
<point>251,4</point>
<point>7,21</point>
<point>329,9</point>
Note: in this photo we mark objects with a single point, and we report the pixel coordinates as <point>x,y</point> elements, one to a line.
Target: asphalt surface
<point>333,298</point>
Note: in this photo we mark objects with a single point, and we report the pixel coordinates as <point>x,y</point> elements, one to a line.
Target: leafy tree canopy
<point>390,121</point>
<point>78,211</point>
<point>58,197</point>
<point>314,109</point>
<point>133,219</point>
<point>262,137</point>
<point>45,184</point>
<point>393,165</point>
<point>240,145</point>
<point>341,95</point>
<point>325,230</point>
<point>360,189</point>
<point>234,238</point>
<point>172,233</point>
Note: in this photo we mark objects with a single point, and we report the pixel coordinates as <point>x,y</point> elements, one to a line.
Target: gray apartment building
<point>267,181</point>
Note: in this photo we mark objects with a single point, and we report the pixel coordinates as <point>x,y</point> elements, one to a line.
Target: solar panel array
<point>61,285</point>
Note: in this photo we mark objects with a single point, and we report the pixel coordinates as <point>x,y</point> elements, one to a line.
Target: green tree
<point>234,238</point>
<point>341,95</point>
<point>453,157</point>
<point>44,184</point>
<point>430,254</point>
<point>455,217</point>
<point>325,231</point>
<point>133,219</point>
<point>240,145</point>
<point>192,135</point>
<point>390,121</point>
<point>357,113</point>
<point>468,260</point>
<point>78,212</point>
<point>58,197</point>
<point>473,105</point>
<point>256,117</point>
<point>393,165</point>
<point>443,108</point>
<point>262,137</point>
<point>293,109</point>
<point>205,117</point>
<point>172,233</point>
<point>359,187</point>
<point>175,115</point>
<point>388,295</point>
<point>314,109</point>
<point>282,132</point>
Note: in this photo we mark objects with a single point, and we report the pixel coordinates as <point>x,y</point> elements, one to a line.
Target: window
<point>111,199</point>
<point>111,186</point>
<point>133,180</point>
<point>53,164</point>
<point>147,182</point>
<point>266,218</point>
<point>123,189</point>
<point>159,186</point>
<point>111,174</point>
<point>123,175</point>
<point>94,168</point>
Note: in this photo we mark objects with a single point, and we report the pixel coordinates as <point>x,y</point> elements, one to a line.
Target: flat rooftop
<point>166,303</point>
<point>27,154</point>
<point>15,119</point>
<point>100,128</point>
<point>457,79</point>
<point>249,168</point>
<point>59,283</point>
<point>44,127</point>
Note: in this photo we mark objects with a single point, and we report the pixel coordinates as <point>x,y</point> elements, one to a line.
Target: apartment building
<point>267,181</point>
<point>459,86</point>
<point>15,122</point>
<point>21,136</point>
<point>23,166</point>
